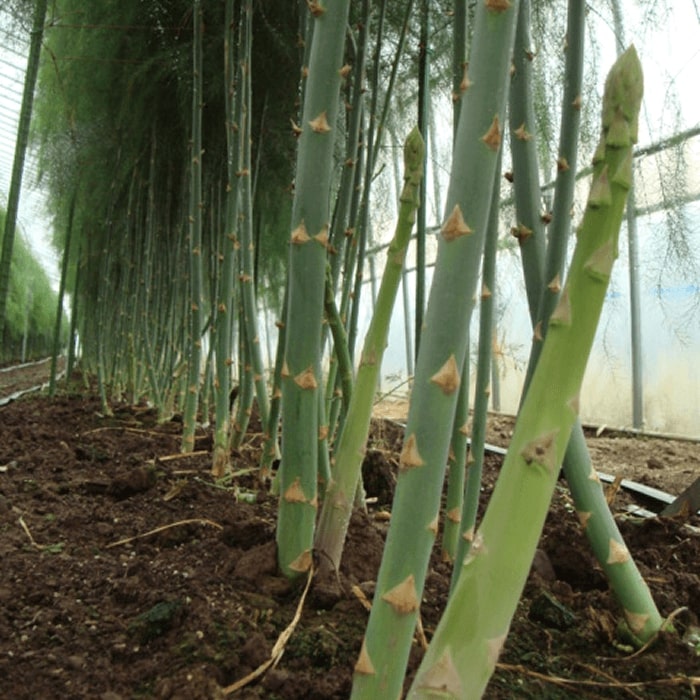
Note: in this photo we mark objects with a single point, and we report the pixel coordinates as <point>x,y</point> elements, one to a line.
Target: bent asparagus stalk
<point>337,505</point>
<point>471,634</point>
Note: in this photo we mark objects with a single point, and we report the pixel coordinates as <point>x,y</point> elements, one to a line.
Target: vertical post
<point>633,262</point>
<point>635,312</point>
<point>423,120</point>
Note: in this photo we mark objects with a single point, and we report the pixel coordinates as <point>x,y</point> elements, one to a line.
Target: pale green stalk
<point>423,120</point>
<point>301,373</point>
<point>457,468</point>
<point>61,292</point>
<point>154,376</point>
<point>342,213</point>
<point>459,57</point>
<point>475,463</point>
<point>373,137</point>
<point>189,414</point>
<point>550,278</point>
<point>246,395</point>
<point>344,203</point>
<point>337,505</point>
<point>225,304</point>
<point>341,352</point>
<point>246,278</point>
<point>466,645</point>
<point>414,524</point>
<point>271,450</point>
<point>529,228</point>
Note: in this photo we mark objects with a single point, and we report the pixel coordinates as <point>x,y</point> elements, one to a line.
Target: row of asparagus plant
<point>223,326</point>
<point>493,560</point>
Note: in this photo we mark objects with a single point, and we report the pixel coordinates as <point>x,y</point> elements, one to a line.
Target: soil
<point>128,572</point>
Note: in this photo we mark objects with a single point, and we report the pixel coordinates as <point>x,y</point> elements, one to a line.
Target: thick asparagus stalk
<point>380,668</point>
<point>597,520</point>
<point>301,368</point>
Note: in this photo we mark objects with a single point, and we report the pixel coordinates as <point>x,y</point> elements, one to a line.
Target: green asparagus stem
<point>589,500</point>
<point>337,505</point>
<point>189,416</point>
<point>414,524</point>
<point>469,638</point>
<point>301,373</point>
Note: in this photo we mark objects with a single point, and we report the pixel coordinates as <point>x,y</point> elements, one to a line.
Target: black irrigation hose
<point>660,499</point>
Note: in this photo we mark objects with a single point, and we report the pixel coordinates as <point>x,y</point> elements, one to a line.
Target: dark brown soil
<point>97,602</point>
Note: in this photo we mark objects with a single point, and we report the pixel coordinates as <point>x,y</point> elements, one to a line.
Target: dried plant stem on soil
<point>25,527</point>
<point>123,429</point>
<point>280,644</point>
<point>188,455</point>
<point>676,681</point>
<point>162,528</point>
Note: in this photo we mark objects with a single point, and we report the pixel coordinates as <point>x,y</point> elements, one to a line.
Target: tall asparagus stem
<point>469,638</point>
<point>189,415</point>
<point>529,229</point>
<point>247,272</point>
<point>337,505</point>
<point>307,268</point>
<point>225,307</point>
<point>551,274</point>
<point>457,467</point>
<point>467,518</point>
<point>380,667</point>
<point>61,292</point>
<point>457,456</point>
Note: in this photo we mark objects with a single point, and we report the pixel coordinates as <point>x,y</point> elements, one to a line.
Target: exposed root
<point>278,648</point>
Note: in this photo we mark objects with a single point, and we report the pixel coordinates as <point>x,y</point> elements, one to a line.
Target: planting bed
<point>127,572</point>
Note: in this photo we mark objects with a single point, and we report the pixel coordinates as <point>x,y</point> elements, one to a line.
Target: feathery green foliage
<point>21,145</point>
<point>31,307</point>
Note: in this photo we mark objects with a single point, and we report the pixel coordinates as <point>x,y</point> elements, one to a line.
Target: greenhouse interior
<point>349,349</point>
